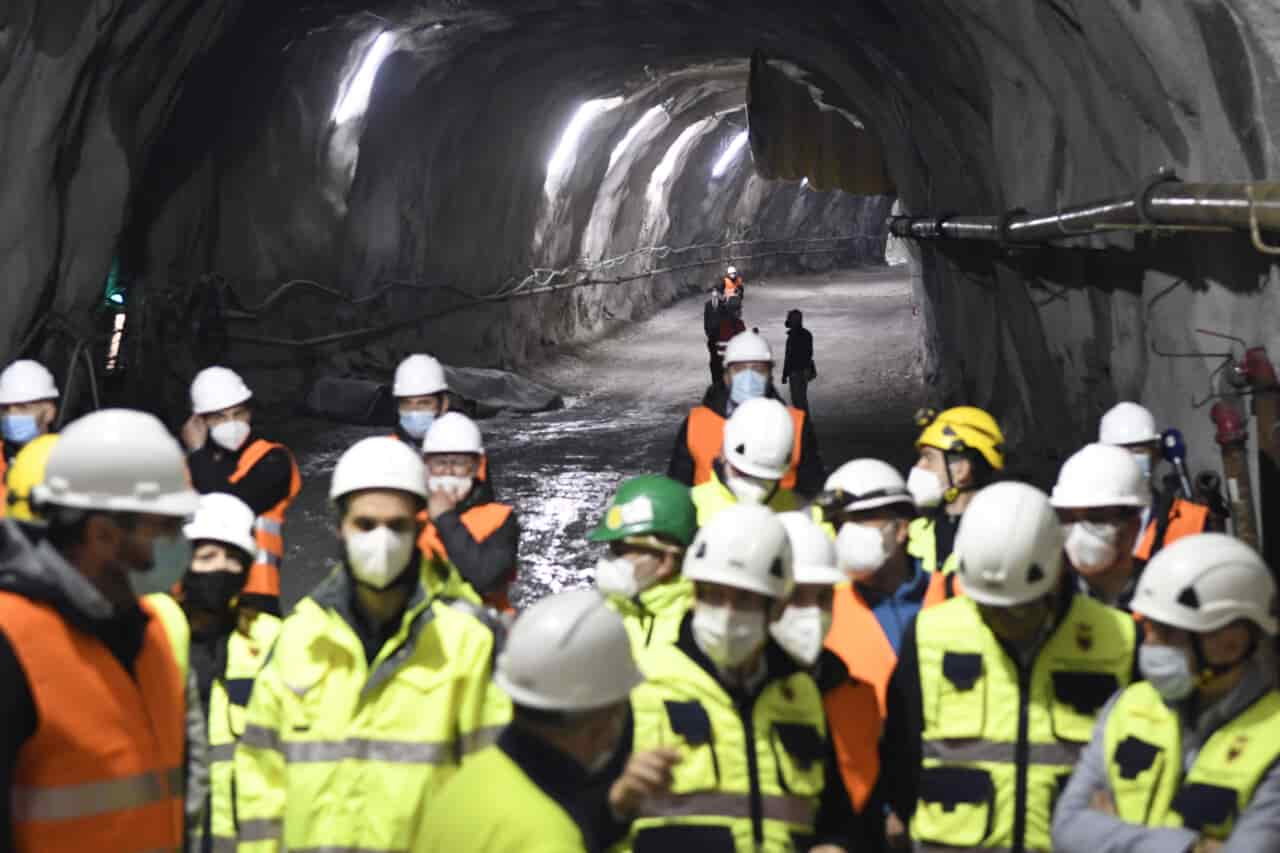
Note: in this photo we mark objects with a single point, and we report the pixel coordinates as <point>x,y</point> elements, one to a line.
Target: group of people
<point>768,658</point>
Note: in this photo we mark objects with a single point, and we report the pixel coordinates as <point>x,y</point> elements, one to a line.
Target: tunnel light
<point>562,159</point>
<point>730,154</point>
<point>358,88</point>
<point>804,183</point>
<point>651,116</point>
<point>656,194</point>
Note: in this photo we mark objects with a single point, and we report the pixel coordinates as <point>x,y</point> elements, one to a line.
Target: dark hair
<point>564,720</point>
<point>237,553</point>
<point>983,474</point>
<point>66,525</point>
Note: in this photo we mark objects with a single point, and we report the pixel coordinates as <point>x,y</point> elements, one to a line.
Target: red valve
<point>1258,369</point>
<point>1230,422</point>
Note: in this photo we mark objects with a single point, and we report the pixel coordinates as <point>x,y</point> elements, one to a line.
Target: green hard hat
<point>649,505</point>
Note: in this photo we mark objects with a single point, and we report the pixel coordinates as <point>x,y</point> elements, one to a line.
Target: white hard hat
<point>1009,545</point>
<point>745,547</point>
<point>419,375</point>
<point>379,462</point>
<point>759,437</point>
<point>26,381</point>
<point>747,346</point>
<point>223,518</point>
<point>1205,582</point>
<point>1127,423</point>
<point>118,460</point>
<point>217,388</point>
<point>1101,475</point>
<point>868,484</point>
<point>732,270</point>
<point>568,652</point>
<point>813,554</point>
<point>453,432</point>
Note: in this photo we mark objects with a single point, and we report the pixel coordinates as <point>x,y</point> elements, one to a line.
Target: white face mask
<point>379,556</point>
<point>230,435</point>
<point>1144,464</point>
<point>801,632</point>
<point>1168,671</point>
<point>860,550</point>
<point>617,576</point>
<point>456,487</point>
<point>925,488</point>
<point>749,490</point>
<point>727,636</point>
<point>1093,545</point>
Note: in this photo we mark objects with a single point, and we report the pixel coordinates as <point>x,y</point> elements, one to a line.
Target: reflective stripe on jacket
<point>751,776</point>
<point>713,497</point>
<point>1184,519</point>
<point>340,753</point>
<point>705,438</point>
<point>268,530</point>
<point>104,768</point>
<point>999,742</point>
<point>247,653</point>
<point>654,616</point>
<point>1145,763</point>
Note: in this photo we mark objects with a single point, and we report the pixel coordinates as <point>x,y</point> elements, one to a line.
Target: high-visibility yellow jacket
<point>1145,761</point>
<point>529,818</point>
<point>922,543</point>
<point>751,774</point>
<point>654,615</point>
<point>999,741</point>
<point>712,497</point>
<point>339,753</point>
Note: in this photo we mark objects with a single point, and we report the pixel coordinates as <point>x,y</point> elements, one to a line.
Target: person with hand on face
<point>748,364</point>
<point>1188,759</point>
<point>467,529</point>
<point>961,451</point>
<point>996,691</point>
<point>422,395</point>
<point>376,691</point>
<point>226,455</point>
<point>1100,497</point>
<point>759,438</point>
<point>95,689</point>
<point>28,408</point>
<point>229,645</point>
<point>648,525</point>
<point>718,781</point>
<point>569,672</point>
<point>1167,517</point>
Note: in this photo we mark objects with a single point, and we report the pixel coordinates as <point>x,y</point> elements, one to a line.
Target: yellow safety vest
<point>247,653</point>
<point>751,777</point>
<point>465,816</point>
<point>654,616</point>
<point>988,733</point>
<point>712,497</point>
<point>338,753</point>
<point>176,628</point>
<point>922,543</point>
<point>1144,763</point>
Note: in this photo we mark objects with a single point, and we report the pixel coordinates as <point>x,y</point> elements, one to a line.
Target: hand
<point>1102,801</point>
<point>647,774</point>
<point>195,432</point>
<point>895,833</point>
<point>441,501</point>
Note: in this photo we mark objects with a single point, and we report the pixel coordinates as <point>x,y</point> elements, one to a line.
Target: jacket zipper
<point>1020,757</point>
<point>753,772</point>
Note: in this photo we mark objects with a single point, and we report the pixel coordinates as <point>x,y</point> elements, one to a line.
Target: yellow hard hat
<point>25,473</point>
<point>963,428</point>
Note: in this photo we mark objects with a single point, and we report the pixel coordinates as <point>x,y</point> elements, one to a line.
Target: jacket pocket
<point>677,839</point>
<point>956,806</point>
<point>962,695</point>
<point>1077,698</point>
<point>799,750</point>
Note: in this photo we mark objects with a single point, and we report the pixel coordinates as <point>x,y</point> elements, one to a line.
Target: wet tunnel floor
<point>624,398</point>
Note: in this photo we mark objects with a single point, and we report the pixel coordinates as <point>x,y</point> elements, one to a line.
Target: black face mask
<point>211,592</point>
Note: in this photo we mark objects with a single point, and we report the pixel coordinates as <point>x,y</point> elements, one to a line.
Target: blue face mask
<point>417,423</point>
<point>747,385</point>
<point>170,559</point>
<point>19,429</point>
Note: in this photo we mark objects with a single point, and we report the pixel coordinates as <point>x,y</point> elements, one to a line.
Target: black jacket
<point>485,564</point>
<point>266,484</point>
<point>810,475</point>
<point>799,352</point>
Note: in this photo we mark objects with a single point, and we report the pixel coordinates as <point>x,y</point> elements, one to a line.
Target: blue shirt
<point>895,612</point>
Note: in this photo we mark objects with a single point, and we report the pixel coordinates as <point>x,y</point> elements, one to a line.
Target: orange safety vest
<point>268,530</point>
<point>103,770</point>
<point>705,440</point>
<point>1185,519</point>
<point>731,286</point>
<point>855,720</point>
<point>481,522</point>
<point>858,638</point>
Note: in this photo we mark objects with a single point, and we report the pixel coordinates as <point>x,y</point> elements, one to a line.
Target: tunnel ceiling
<point>196,141</point>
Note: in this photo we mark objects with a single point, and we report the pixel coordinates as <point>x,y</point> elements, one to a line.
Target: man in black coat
<point>797,367</point>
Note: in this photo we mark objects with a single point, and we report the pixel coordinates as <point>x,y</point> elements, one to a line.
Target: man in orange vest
<point>748,365</point>
<point>227,456</point>
<point>468,527</point>
<point>731,286</point>
<point>1170,517</point>
<point>93,728</point>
